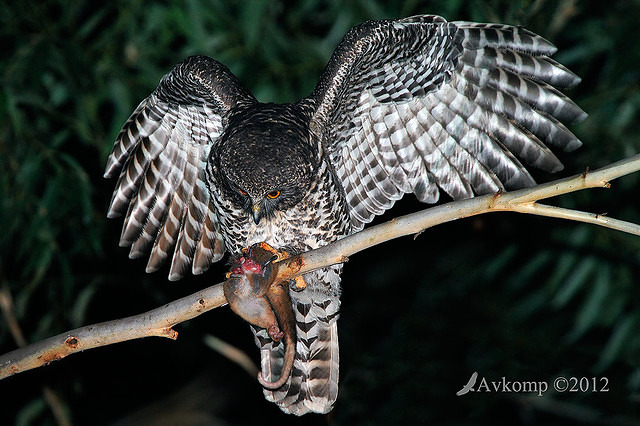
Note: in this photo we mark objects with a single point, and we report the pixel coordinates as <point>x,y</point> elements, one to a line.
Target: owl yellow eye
<point>241,192</point>
<point>273,194</point>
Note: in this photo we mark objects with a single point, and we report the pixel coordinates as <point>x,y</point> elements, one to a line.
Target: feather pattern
<point>417,105</point>
<point>421,104</point>
<point>313,384</point>
<point>162,151</point>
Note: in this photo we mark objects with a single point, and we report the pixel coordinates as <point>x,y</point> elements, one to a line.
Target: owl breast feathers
<point>417,105</point>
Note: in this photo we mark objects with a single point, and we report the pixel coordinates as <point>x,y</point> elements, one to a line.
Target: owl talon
<point>298,283</point>
<point>277,255</point>
<point>266,247</point>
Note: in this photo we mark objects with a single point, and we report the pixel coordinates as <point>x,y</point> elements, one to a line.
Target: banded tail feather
<point>313,385</point>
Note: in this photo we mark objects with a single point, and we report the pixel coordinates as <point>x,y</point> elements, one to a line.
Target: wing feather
<point>162,153</point>
<point>422,105</point>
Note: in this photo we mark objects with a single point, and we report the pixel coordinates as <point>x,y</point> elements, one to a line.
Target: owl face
<point>263,201</point>
<point>265,165</point>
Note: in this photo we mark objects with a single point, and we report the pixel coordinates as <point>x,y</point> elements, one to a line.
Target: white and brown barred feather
<point>408,106</point>
<point>313,385</point>
<point>420,104</point>
<point>319,218</point>
<point>162,151</point>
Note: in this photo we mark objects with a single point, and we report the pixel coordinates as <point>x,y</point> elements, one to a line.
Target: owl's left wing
<point>421,104</point>
<point>162,152</point>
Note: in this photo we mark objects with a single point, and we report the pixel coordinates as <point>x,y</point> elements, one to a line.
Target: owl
<point>417,105</point>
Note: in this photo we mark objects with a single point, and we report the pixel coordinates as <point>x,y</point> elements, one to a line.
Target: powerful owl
<point>417,105</point>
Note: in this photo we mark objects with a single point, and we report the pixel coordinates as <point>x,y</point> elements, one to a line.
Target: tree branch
<point>159,322</point>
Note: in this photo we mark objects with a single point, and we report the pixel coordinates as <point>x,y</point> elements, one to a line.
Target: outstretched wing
<point>421,104</point>
<point>162,152</point>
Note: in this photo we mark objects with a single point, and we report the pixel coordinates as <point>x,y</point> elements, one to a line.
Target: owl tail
<point>313,385</point>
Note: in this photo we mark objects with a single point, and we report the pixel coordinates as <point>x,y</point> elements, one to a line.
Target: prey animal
<point>417,105</point>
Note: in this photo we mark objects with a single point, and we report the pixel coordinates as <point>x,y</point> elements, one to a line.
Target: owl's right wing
<point>161,153</point>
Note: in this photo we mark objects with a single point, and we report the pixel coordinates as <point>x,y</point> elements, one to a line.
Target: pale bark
<point>159,322</point>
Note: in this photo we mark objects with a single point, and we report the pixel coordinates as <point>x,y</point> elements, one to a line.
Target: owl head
<point>265,162</point>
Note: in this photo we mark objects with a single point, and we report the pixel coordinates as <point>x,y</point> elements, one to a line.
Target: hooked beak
<point>256,213</point>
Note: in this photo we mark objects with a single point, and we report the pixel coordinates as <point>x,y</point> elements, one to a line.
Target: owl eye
<point>273,194</point>
<point>241,192</point>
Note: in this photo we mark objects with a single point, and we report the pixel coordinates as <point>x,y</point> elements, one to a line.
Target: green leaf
<point>591,310</point>
<point>529,270</point>
<point>81,304</point>
<point>618,341</point>
<point>575,280</point>
<point>29,412</point>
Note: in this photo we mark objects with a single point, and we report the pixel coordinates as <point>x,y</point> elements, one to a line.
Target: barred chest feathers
<point>269,183</point>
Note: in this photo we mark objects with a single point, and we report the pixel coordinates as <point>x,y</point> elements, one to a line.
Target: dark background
<point>527,298</point>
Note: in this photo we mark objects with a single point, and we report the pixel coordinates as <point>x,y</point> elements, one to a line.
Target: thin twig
<point>159,322</point>
<point>232,353</point>
<point>51,397</point>
<point>6,306</point>
<point>578,216</point>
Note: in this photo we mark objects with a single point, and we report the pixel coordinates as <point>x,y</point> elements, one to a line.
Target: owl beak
<point>256,213</point>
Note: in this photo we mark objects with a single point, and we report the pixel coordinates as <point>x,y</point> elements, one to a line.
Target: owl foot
<point>296,284</point>
<point>254,260</point>
<point>265,248</point>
